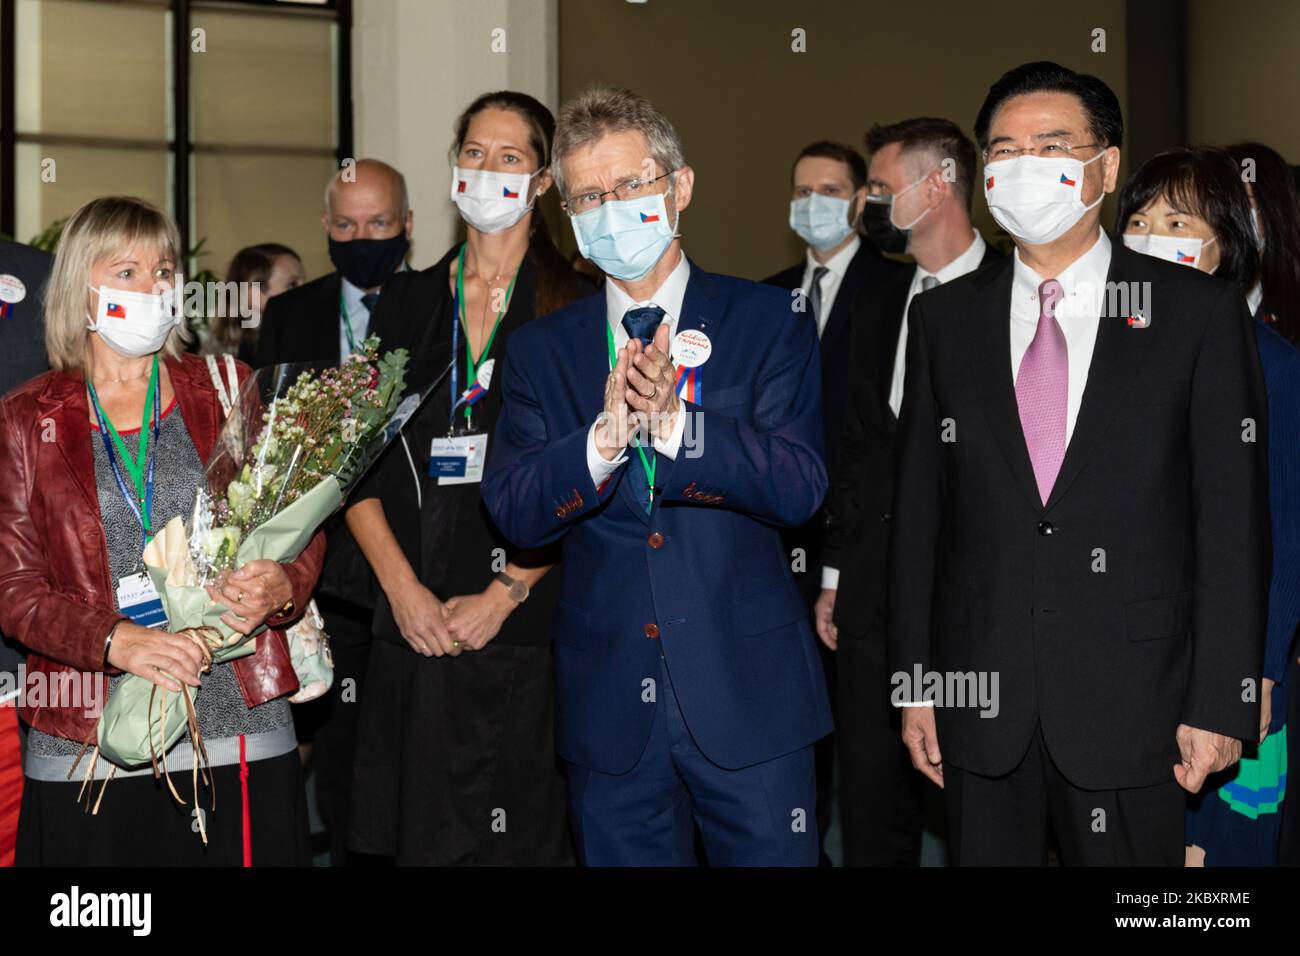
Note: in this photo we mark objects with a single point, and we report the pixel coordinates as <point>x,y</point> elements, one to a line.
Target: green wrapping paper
<point>126,724</point>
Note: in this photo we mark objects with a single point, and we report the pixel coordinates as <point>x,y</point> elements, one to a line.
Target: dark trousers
<point>880,791</point>
<point>334,717</point>
<point>1010,820</point>
<point>648,816</point>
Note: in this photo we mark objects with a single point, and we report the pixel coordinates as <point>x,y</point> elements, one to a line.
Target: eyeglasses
<point>628,189</point>
<point>1056,148</point>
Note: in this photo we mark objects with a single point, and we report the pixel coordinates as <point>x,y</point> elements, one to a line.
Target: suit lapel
<point>889,326</point>
<point>990,365</point>
<point>327,333</point>
<point>839,324</point>
<point>1117,358</point>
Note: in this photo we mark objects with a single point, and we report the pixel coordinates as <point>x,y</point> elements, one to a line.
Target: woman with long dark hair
<point>1275,214</point>
<point>455,759</point>
<point>1190,206</point>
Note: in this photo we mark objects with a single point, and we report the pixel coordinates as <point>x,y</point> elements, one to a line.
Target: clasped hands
<point>433,628</point>
<point>1203,752</point>
<point>640,393</point>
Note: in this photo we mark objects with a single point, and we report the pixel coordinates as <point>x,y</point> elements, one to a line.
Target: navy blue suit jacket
<point>703,579</point>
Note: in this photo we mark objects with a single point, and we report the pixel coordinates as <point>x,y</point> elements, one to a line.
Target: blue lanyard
<point>145,516</point>
<point>455,361</point>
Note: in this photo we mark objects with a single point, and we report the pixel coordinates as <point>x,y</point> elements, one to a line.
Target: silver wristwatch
<point>517,589</point>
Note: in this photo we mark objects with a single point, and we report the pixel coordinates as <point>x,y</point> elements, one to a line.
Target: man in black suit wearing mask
<point>919,186</point>
<point>828,190</point>
<point>367,222</point>
<point>1080,541</point>
<point>23,274</point>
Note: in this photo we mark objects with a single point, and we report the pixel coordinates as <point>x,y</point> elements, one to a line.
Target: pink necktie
<point>1042,387</point>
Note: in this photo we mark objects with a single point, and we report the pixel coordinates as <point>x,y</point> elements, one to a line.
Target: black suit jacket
<point>302,325</point>
<point>868,270</point>
<point>861,497</point>
<point>1134,600</point>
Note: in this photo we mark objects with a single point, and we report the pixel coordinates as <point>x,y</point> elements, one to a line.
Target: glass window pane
<point>93,69</point>
<point>264,80</point>
<point>80,174</point>
<point>241,200</point>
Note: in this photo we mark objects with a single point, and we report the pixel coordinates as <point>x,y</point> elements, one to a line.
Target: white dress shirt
<point>357,314</point>
<point>1078,314</point>
<point>968,261</point>
<point>668,297</point>
<point>1254,297</point>
<point>836,266</point>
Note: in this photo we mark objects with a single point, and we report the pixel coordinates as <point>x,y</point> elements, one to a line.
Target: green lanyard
<point>135,467</point>
<point>471,364</point>
<point>347,323</point>
<point>648,466</point>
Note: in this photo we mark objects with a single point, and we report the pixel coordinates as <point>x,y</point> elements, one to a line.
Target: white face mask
<point>1037,199</point>
<point>488,201</point>
<point>134,324</point>
<point>1185,251</point>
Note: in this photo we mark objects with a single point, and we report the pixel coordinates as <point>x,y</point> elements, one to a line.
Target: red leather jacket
<point>56,592</point>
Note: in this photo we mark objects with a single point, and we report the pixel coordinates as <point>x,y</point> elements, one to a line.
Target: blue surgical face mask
<point>821,221</point>
<point>625,237</point>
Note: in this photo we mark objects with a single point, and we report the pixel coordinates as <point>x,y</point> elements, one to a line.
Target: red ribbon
<point>246,817</point>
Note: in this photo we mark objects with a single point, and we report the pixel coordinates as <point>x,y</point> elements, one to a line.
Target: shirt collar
<point>968,261</point>
<point>1084,280</point>
<point>838,263</point>
<point>668,296</point>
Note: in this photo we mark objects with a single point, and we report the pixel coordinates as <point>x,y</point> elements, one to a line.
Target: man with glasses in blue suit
<point>665,430</point>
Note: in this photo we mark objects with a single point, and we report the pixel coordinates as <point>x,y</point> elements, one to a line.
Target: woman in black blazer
<point>1195,201</point>
<point>455,759</point>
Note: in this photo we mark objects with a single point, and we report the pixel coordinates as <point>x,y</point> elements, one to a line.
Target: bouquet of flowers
<point>296,441</point>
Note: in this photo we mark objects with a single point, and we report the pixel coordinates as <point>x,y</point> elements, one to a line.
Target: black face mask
<point>366,263</point>
<point>880,229</point>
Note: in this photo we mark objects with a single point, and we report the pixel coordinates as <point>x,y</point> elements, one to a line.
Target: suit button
<point>656,540</point>
<point>1046,528</point>
<point>884,518</point>
<point>652,630</point>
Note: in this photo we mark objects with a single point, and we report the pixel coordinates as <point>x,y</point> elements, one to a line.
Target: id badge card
<point>458,459</point>
<point>138,600</point>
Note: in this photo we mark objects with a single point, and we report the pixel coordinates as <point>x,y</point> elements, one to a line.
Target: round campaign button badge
<point>12,289</point>
<point>484,376</point>
<point>691,348</point>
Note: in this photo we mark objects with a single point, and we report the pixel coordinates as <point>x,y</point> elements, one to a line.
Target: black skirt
<point>140,823</point>
<point>455,761</point>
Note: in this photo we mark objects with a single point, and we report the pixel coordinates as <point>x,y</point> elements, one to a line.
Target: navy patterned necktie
<point>370,300</point>
<point>641,324</point>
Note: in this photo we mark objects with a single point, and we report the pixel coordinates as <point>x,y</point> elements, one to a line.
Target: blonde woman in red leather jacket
<point>73,512</point>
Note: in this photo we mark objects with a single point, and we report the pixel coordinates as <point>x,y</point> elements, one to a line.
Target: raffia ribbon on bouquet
<point>208,640</point>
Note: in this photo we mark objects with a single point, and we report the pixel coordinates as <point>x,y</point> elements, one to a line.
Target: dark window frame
<point>181,145</point>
